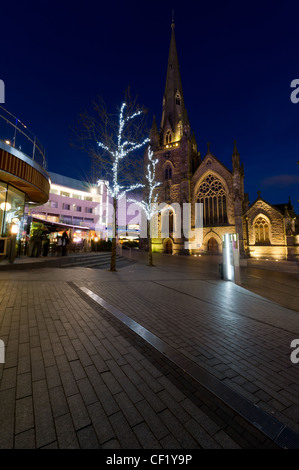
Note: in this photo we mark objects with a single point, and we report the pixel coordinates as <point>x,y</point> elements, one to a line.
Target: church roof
<point>279,207</point>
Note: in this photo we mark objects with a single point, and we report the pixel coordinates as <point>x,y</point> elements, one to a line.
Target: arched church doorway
<point>213,246</point>
<point>168,247</point>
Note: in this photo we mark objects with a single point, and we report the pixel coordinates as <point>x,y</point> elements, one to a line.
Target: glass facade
<point>12,204</point>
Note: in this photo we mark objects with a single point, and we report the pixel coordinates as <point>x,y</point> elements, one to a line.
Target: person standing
<point>65,240</point>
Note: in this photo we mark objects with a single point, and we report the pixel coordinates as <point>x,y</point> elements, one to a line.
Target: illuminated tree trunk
<point>150,251</point>
<point>113,248</point>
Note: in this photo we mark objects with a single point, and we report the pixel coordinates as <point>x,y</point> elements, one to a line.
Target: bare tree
<point>111,140</point>
<point>149,203</point>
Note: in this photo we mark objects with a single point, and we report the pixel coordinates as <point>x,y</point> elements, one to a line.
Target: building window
<point>177,99</point>
<point>168,172</point>
<point>88,220</point>
<point>88,210</point>
<point>66,207</point>
<point>87,198</point>
<point>63,193</point>
<point>261,228</point>
<point>53,204</point>
<point>66,219</point>
<point>213,197</point>
<point>78,208</point>
<point>53,218</point>
<point>76,196</point>
<point>168,137</point>
<point>77,220</point>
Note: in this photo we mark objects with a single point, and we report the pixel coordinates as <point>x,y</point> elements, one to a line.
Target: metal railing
<point>13,132</point>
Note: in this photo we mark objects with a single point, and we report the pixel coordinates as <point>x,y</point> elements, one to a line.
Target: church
<point>264,230</point>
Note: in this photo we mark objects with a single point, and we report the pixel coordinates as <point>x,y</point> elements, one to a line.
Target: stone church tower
<point>263,229</point>
<point>186,178</point>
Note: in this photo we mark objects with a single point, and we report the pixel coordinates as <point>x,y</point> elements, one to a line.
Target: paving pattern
<point>75,377</point>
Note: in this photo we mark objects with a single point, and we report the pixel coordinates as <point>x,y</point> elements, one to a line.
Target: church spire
<point>174,116</point>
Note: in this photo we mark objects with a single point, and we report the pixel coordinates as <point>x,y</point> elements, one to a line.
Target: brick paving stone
<point>202,418</point>
<point>176,408</point>
<point>112,444</point>
<point>58,400</point>
<point>44,425</point>
<point>88,439</point>
<point>87,391</point>
<point>154,420</point>
<point>66,434</point>
<point>123,432</point>
<point>201,437</point>
<point>146,437</point>
<point>78,411</point>
<point>52,445</point>
<point>108,402</point>
<point>24,418</point>
<point>25,440</point>
<point>129,410</point>
<point>151,397</point>
<point>225,441</point>
<point>101,424</point>
<point>169,442</point>
<point>77,370</point>
<point>179,432</point>
<point>52,376</point>
<point>100,364</point>
<point>124,381</point>
<point>8,378</point>
<point>24,385</point>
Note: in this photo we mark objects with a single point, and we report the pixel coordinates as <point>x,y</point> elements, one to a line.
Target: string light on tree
<point>150,204</point>
<point>122,150</point>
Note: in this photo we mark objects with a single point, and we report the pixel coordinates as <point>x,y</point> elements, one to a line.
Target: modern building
<point>23,176</point>
<point>74,205</point>
<point>263,230</point>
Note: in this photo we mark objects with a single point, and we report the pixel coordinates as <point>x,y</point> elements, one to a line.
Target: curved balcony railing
<point>16,134</point>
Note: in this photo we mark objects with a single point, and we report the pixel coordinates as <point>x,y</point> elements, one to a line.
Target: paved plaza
<point>164,357</point>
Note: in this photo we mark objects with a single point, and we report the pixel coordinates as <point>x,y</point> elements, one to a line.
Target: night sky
<point>237,61</point>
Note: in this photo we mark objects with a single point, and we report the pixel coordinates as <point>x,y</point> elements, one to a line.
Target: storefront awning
<point>57,225</point>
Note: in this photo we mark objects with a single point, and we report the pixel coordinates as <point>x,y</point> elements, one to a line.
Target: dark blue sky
<point>237,60</point>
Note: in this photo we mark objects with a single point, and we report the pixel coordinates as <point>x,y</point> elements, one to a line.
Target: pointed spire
<point>154,133</point>
<point>236,158</point>
<point>174,116</point>
<point>235,151</point>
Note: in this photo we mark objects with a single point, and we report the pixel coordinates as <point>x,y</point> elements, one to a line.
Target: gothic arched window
<point>168,172</point>
<point>177,99</point>
<point>168,137</point>
<point>212,195</point>
<point>261,229</point>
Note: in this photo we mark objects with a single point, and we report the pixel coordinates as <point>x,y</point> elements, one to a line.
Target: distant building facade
<point>75,204</point>
<point>187,177</point>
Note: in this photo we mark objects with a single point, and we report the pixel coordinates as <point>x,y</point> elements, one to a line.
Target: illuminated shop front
<point>23,180</point>
<point>12,203</point>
